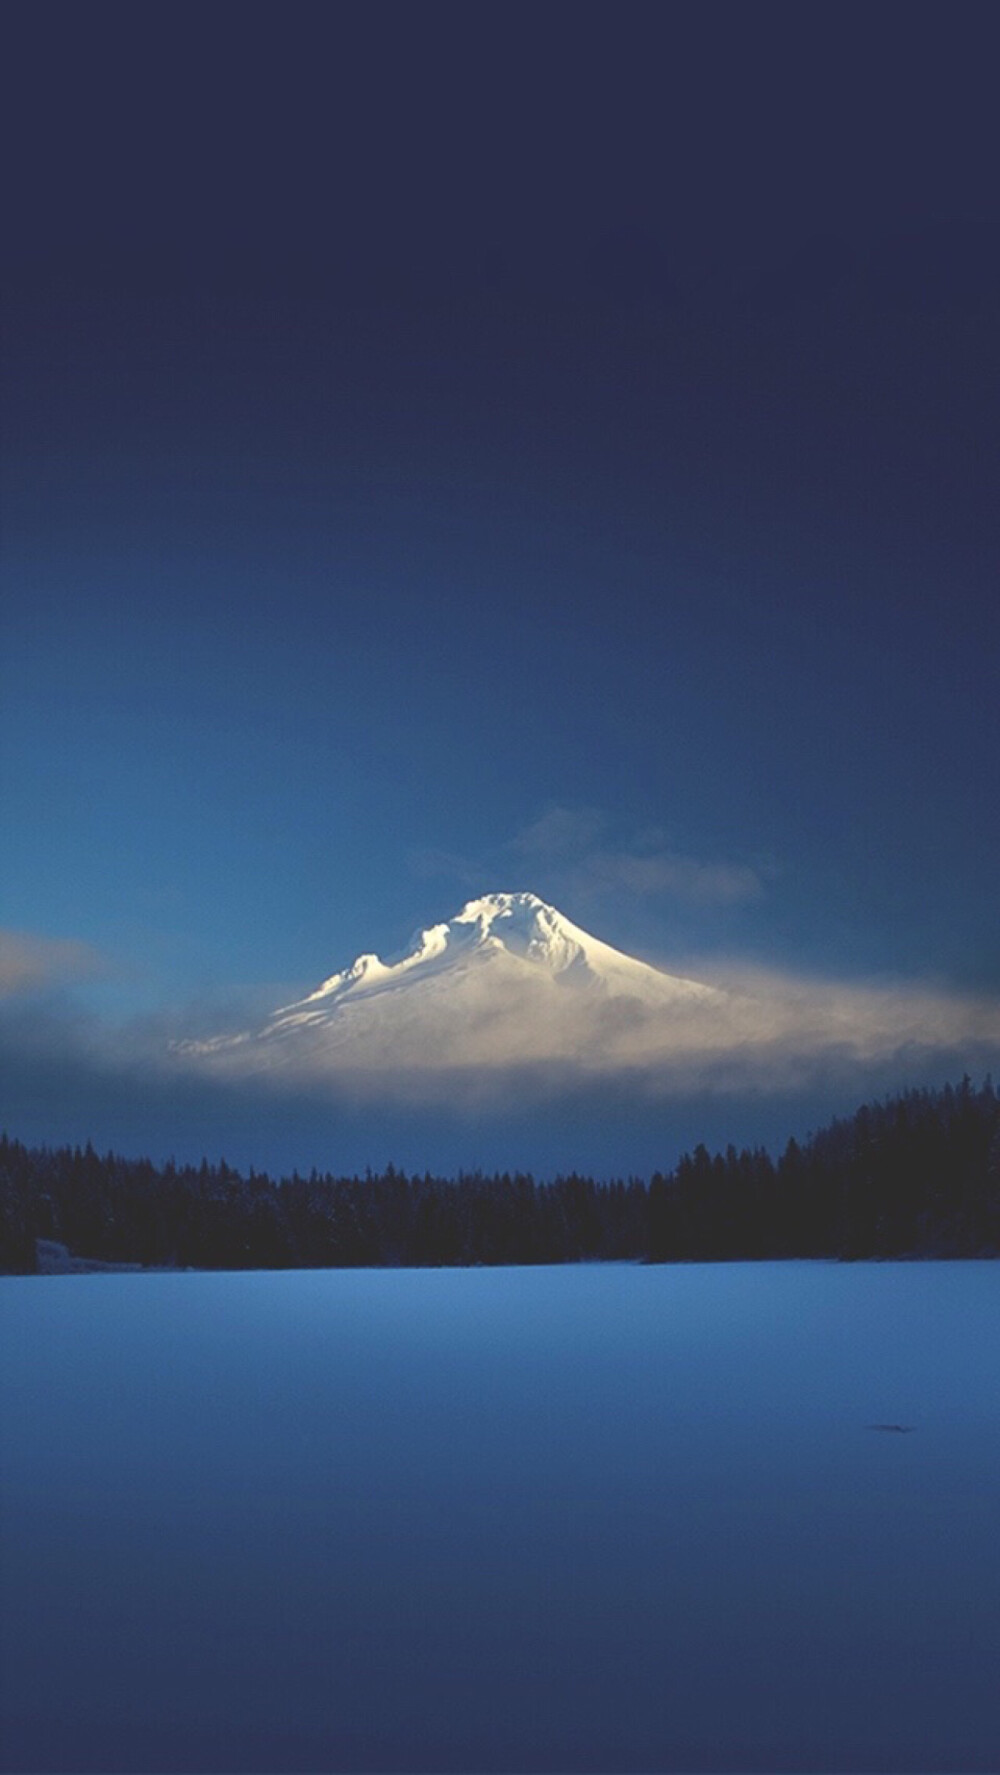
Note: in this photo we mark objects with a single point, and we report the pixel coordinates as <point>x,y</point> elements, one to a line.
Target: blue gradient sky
<point>446,453</point>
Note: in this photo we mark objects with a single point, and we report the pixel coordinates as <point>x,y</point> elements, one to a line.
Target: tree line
<point>916,1174</point>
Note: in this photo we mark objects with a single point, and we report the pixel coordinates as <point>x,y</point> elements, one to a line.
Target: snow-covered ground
<point>598,1518</point>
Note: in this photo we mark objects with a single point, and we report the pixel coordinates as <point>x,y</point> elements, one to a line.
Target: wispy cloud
<point>561,832</point>
<point>577,844</point>
<point>572,854</point>
<point>429,863</point>
<point>29,962</point>
<point>666,872</point>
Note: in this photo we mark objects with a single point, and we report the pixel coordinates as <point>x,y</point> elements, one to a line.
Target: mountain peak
<point>525,926</point>
<point>507,975</point>
<point>495,905</point>
<point>517,934</point>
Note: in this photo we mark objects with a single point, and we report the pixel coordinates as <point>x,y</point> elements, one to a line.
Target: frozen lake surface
<point>588,1518</point>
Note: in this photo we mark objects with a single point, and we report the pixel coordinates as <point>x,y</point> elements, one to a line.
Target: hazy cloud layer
<point>508,1046</point>
<point>767,1032</point>
<point>542,1090</point>
<point>29,963</point>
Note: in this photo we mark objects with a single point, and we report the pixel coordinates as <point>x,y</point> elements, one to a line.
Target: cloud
<point>429,862</point>
<point>502,1033</point>
<point>29,962</point>
<point>561,832</point>
<point>567,855</point>
<point>568,841</point>
<point>509,1046</point>
<point>533,1082</point>
<point>685,878</point>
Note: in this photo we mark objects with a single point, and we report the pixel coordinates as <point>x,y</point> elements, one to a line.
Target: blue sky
<point>517,472</point>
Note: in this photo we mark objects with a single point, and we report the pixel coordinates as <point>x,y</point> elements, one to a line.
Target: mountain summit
<point>499,928</point>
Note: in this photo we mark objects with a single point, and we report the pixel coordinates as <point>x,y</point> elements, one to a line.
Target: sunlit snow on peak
<point>526,927</point>
<point>506,930</point>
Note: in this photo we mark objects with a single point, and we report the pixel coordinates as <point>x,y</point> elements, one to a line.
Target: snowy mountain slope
<point>517,928</point>
<point>507,979</point>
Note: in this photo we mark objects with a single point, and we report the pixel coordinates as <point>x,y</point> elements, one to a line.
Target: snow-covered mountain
<point>516,932</point>
<point>509,995</point>
<point>508,980</point>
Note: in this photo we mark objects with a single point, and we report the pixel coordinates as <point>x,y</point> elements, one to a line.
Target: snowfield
<point>598,1517</point>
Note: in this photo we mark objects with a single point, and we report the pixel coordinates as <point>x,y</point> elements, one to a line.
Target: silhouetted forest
<point>918,1174</point>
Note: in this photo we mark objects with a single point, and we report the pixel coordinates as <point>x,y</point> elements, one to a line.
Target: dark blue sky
<point>447,451</point>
